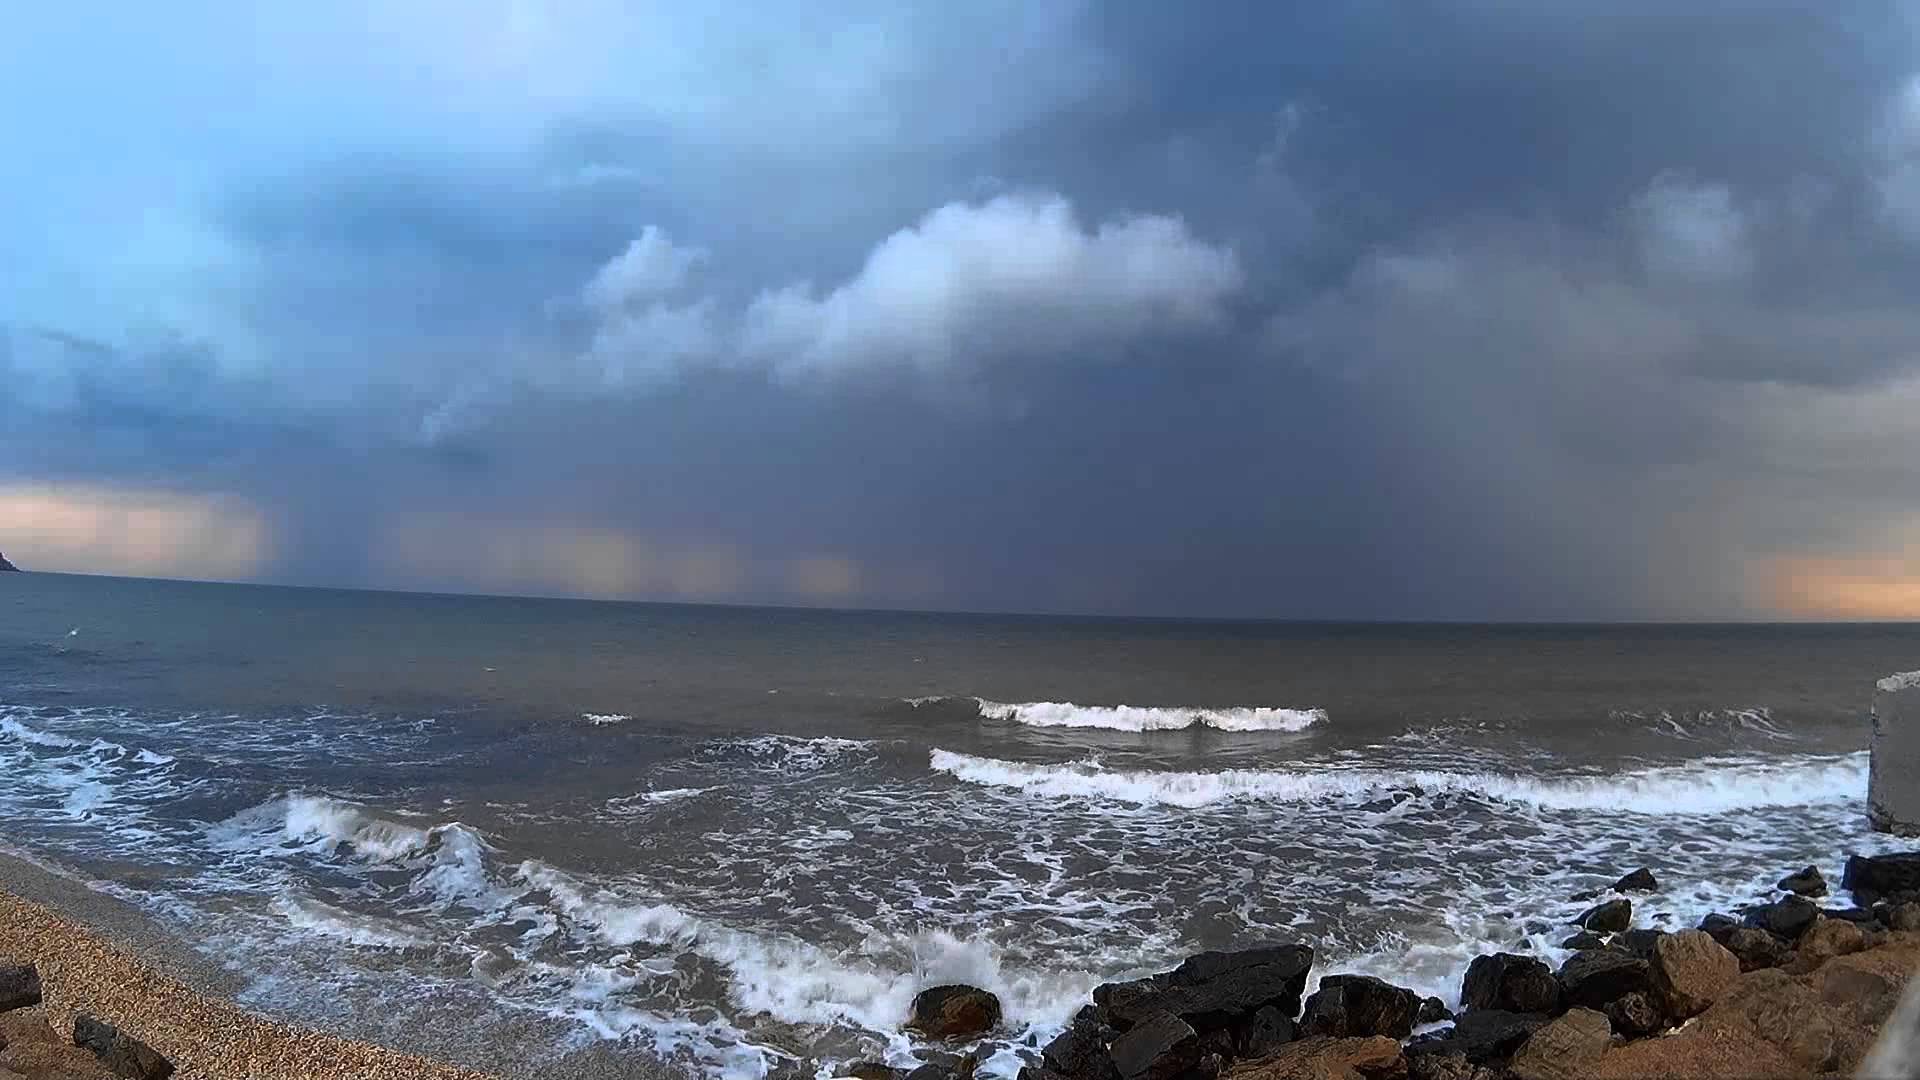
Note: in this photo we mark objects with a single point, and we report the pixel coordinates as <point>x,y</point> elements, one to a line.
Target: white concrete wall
<point>1893,781</point>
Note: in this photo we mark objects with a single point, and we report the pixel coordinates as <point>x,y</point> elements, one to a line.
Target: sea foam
<point>1150,718</point>
<point>1707,786</point>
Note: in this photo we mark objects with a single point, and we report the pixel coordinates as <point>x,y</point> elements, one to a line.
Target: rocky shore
<point>1796,985</point>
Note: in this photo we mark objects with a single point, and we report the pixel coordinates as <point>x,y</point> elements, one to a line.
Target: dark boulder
<point>1612,916</point>
<point>1448,1067</point>
<point>1860,916</point>
<point>1081,1050</point>
<point>954,1012</point>
<point>1219,990</point>
<point>1585,939</point>
<point>1807,882</point>
<point>1718,926</point>
<point>1351,1006</point>
<point>118,1051</point>
<point>1592,979</point>
<point>1757,949</point>
<point>1785,919</point>
<point>934,1071</point>
<point>1640,880</point>
<point>1434,1011</point>
<point>870,1070</point>
<point>1639,943</point>
<point>1901,916</point>
<point>19,986</point>
<point>1160,1047</point>
<point>7,567</point>
<point>1566,1049</point>
<point>1874,877</point>
<point>1262,1033</point>
<point>1481,1036</point>
<point>1634,1016</point>
<point>1510,983</point>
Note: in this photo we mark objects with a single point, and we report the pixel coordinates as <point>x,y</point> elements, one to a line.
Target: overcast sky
<point>1373,309</point>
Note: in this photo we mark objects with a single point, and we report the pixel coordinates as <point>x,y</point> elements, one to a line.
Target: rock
<point>1689,971</point>
<point>1323,1058</point>
<point>1481,1036</point>
<point>7,567</point>
<point>1585,939</point>
<point>1640,880</point>
<point>870,1070</point>
<point>1860,916</point>
<point>1718,927</point>
<point>1770,1006</point>
<point>1219,990</point>
<point>1563,1049</point>
<point>118,1051</point>
<point>1639,942</point>
<point>1160,1048</point>
<point>1262,1033</point>
<point>1904,916</point>
<point>1360,1005</point>
<point>1511,983</point>
<point>1757,949</point>
<point>53,1061</point>
<point>1693,1054</point>
<point>1447,1067</point>
<point>1825,940</point>
<point>19,986</point>
<point>29,1025</point>
<point>1433,1011</point>
<point>1634,1016</point>
<point>1081,1050</point>
<point>1594,978</point>
<point>1807,882</point>
<point>1866,986</point>
<point>954,1012</point>
<point>1609,917</point>
<point>1785,919</point>
<point>932,1071</point>
<point>1871,877</point>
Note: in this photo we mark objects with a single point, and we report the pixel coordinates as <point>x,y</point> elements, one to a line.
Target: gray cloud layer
<point>1466,310</point>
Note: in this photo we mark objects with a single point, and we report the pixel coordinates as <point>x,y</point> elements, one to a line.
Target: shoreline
<point>104,956</point>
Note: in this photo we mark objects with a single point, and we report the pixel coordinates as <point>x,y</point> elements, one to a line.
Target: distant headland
<point>7,567</point>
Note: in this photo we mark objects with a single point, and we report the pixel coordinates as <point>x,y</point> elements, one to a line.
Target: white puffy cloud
<point>1018,276</point>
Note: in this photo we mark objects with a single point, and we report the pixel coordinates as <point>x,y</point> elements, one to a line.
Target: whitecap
<point>1150,718</point>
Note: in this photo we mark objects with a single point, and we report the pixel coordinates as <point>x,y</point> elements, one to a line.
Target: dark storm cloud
<point>1474,309</point>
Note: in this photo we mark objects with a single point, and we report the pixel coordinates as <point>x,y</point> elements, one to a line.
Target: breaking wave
<point>1707,786</point>
<point>1150,718</point>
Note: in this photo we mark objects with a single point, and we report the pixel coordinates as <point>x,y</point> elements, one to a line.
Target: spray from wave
<point>1065,714</point>
<point>1707,786</point>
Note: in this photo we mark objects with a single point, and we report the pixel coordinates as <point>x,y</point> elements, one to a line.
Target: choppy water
<point>745,838</point>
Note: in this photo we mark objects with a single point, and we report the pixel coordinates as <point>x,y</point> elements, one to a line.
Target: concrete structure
<point>1893,778</point>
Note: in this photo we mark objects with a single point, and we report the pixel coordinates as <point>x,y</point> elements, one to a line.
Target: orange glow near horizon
<point>105,530</point>
<point>1873,588</point>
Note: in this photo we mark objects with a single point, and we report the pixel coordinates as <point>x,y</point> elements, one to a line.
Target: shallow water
<point>744,838</point>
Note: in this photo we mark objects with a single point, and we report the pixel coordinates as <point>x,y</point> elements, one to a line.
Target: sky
<point>1385,309</point>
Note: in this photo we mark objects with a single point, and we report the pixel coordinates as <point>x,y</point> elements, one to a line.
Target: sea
<point>741,839</point>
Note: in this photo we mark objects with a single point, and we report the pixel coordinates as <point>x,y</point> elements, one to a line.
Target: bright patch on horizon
<point>1845,587</point>
<point>103,530</point>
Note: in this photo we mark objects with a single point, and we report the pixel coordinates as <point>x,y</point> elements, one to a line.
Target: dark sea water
<point>743,838</point>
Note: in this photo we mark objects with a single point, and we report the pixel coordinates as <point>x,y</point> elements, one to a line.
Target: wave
<point>603,719</point>
<point>1150,718</point>
<point>1708,786</point>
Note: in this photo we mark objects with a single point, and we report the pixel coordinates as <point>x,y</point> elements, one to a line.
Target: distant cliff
<point>6,566</point>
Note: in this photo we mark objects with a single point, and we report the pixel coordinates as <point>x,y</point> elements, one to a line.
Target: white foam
<point>1707,786</point>
<point>603,719</point>
<point>1150,718</point>
<point>306,913</point>
<point>34,736</point>
<point>1906,680</point>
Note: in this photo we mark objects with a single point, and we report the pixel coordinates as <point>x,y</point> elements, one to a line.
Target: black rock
<point>1609,917</point>
<point>1081,1050</point>
<point>1218,990</point>
<point>1860,916</point>
<point>1447,1067</point>
<point>19,986</point>
<point>1592,979</point>
<point>1639,942</point>
<point>1785,919</point>
<point>1481,1036</point>
<point>1718,926</point>
<point>118,1051</point>
<point>1640,880</point>
<point>1510,983</point>
<point>1873,877</point>
<point>931,1071</point>
<point>1361,1005</point>
<point>1262,1033</point>
<point>1807,882</point>
<point>870,1070</point>
<point>7,567</point>
<point>1585,939</point>
<point>1160,1047</point>
<point>954,1012</point>
<point>1434,1011</point>
<point>1634,1016</point>
<point>1757,949</point>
